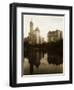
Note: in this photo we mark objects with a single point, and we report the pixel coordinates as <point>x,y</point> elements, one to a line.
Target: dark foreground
<point>46,58</point>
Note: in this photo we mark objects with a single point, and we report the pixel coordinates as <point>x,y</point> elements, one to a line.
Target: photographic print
<point>40,44</point>
<point>43,44</point>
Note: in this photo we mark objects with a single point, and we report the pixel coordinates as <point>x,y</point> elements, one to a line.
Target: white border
<point>47,77</point>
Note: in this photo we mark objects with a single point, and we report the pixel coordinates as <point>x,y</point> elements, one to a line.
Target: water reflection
<point>42,60</point>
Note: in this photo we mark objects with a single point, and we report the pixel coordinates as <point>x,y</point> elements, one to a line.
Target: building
<point>42,40</point>
<point>31,26</point>
<point>34,35</point>
<point>53,36</point>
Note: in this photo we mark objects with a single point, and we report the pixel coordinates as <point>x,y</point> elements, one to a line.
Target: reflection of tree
<point>35,52</point>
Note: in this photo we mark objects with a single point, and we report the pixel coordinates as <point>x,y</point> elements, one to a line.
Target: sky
<point>45,24</point>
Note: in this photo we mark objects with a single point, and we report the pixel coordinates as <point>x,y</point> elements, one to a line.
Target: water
<point>42,61</point>
<point>46,58</point>
<point>44,68</point>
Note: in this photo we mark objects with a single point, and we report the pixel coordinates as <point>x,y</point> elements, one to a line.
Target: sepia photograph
<point>43,44</point>
<point>40,44</point>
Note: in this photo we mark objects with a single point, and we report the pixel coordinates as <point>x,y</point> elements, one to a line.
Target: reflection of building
<point>34,35</point>
<point>54,35</point>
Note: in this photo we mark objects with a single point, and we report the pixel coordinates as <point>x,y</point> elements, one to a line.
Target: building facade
<point>53,36</point>
<point>34,35</point>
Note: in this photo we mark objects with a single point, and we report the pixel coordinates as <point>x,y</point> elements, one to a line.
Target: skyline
<point>45,24</point>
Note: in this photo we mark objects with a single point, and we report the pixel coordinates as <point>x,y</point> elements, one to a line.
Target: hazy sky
<point>45,24</point>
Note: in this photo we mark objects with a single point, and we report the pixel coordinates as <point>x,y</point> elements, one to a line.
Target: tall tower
<point>31,26</point>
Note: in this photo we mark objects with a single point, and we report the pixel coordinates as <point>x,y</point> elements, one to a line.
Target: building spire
<point>31,26</point>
